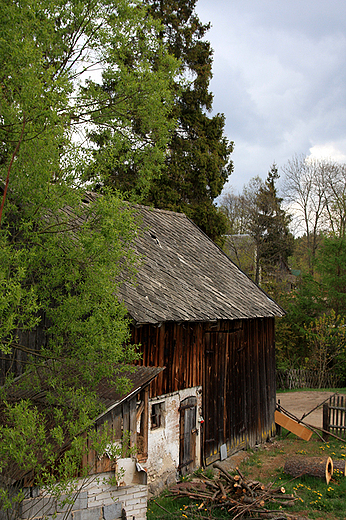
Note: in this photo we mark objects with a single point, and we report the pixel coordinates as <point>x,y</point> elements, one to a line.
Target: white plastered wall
<point>163,442</point>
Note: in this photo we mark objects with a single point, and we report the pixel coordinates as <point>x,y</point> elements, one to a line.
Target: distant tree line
<point>305,229</point>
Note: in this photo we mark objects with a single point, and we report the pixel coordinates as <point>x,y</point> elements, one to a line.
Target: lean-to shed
<point>106,488</point>
<point>196,313</point>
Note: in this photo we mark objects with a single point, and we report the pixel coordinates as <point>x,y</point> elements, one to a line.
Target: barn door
<point>216,366</point>
<point>224,391</point>
<point>188,432</point>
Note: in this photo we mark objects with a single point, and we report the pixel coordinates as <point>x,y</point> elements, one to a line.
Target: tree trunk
<point>321,467</point>
<point>340,465</point>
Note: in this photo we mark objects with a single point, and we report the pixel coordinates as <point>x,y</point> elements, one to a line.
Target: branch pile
<point>241,498</point>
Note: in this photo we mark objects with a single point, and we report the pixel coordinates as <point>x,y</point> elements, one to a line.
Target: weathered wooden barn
<point>196,313</point>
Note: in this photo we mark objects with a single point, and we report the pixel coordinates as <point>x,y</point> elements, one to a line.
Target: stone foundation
<point>97,501</point>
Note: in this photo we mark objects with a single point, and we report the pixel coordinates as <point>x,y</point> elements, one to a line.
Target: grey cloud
<point>279,78</point>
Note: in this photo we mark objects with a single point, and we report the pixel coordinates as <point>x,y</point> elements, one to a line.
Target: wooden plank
<point>117,423</point>
<point>292,426</point>
<point>126,423</point>
<point>145,422</point>
<point>133,422</point>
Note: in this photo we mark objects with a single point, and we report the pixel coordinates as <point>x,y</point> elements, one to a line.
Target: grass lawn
<point>315,499</point>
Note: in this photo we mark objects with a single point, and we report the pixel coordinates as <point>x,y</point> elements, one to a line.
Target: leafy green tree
<point>302,305</point>
<point>331,269</point>
<point>315,296</point>
<point>63,252</point>
<point>326,338</point>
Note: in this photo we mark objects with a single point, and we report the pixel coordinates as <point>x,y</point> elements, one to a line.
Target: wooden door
<point>214,387</point>
<point>224,392</point>
<point>188,432</point>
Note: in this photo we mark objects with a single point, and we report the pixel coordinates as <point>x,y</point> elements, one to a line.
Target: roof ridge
<point>159,210</point>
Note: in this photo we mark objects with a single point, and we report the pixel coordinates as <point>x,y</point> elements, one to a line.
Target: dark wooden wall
<point>179,348</point>
<point>26,343</point>
<point>234,362</point>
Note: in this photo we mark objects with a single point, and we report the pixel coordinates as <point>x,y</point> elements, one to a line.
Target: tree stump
<point>321,467</point>
<point>340,465</point>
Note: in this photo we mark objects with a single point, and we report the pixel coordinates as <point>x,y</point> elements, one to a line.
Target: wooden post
<point>133,423</point>
<point>126,428</point>
<point>144,424</point>
<point>326,421</point>
<point>278,426</point>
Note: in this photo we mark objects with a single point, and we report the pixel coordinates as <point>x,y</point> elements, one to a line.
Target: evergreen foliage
<point>197,165</point>
<point>197,161</point>
<point>270,226</point>
<point>258,213</point>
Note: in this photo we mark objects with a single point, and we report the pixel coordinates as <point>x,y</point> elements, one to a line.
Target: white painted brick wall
<point>133,499</point>
<point>163,443</point>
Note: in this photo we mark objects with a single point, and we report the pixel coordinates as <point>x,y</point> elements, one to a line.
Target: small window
<point>157,415</point>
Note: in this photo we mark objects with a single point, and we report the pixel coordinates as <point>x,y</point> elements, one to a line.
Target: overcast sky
<point>279,76</point>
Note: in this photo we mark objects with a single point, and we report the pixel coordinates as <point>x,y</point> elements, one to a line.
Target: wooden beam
<point>292,426</point>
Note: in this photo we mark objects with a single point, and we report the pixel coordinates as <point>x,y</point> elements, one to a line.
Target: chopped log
<point>246,486</point>
<point>240,473</point>
<point>340,465</point>
<point>321,467</point>
<point>281,489</point>
<point>240,497</point>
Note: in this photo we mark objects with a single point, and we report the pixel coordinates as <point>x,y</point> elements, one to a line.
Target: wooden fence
<point>300,378</point>
<point>334,416</point>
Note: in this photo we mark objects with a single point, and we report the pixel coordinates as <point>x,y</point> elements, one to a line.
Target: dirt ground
<point>300,403</point>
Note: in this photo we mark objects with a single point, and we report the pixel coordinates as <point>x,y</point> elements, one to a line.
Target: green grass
<point>315,498</point>
<point>168,508</point>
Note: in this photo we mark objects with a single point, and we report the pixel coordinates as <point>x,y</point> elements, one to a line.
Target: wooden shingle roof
<point>184,276</point>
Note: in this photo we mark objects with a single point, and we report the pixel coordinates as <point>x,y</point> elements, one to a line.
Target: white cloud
<point>329,151</point>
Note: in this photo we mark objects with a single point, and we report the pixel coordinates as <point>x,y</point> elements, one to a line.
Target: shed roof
<point>108,394</point>
<point>184,276</point>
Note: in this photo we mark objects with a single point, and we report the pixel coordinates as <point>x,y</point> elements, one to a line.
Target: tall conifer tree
<point>270,226</point>
<point>197,161</point>
<point>197,165</point>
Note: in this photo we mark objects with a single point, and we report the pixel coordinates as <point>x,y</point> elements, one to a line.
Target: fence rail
<point>300,378</point>
<point>334,416</point>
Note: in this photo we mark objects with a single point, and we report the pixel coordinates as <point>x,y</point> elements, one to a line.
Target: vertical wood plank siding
<point>234,362</point>
<point>32,340</point>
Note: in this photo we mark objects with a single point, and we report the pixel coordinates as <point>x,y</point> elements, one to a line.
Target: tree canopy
<point>197,159</point>
<point>51,254</point>
<point>71,73</point>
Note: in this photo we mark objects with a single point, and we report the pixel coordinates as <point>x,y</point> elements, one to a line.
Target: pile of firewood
<point>241,498</point>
